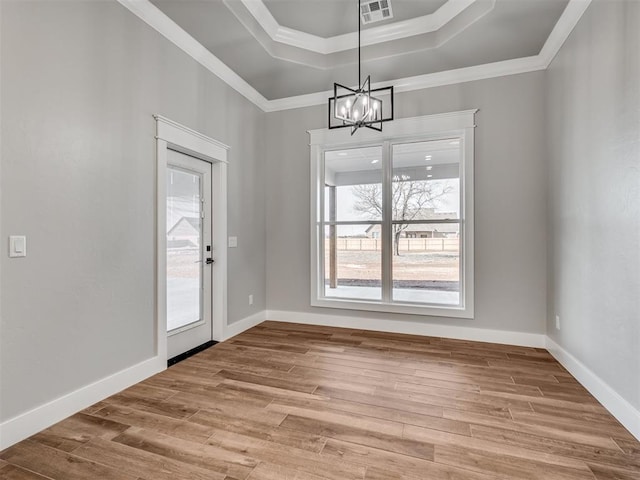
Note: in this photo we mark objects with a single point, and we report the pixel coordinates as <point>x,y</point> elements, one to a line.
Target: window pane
<point>426,180</point>
<point>183,248</point>
<point>426,256</point>
<point>352,262</point>
<point>426,263</point>
<point>353,184</point>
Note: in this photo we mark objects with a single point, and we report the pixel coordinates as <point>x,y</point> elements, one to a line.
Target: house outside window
<point>392,217</point>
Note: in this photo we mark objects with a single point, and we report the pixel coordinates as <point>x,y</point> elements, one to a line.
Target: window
<point>392,226</point>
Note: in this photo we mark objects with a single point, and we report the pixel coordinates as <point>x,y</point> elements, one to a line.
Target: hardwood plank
<point>283,381</point>
<point>393,465</point>
<point>577,446</point>
<point>474,403</point>
<point>271,471</point>
<point>267,390</point>
<point>608,473</point>
<point>58,465</point>
<point>179,382</point>
<point>13,472</point>
<point>210,457</point>
<point>302,460</point>
<point>167,408</point>
<point>503,465</point>
<point>506,426</point>
<point>141,463</point>
<point>148,392</point>
<point>77,430</point>
<point>158,423</point>
<point>394,415</point>
<point>361,436</point>
<point>628,445</point>
<point>444,439</point>
<point>351,420</point>
<point>236,413</point>
<point>265,427</point>
<point>568,425</point>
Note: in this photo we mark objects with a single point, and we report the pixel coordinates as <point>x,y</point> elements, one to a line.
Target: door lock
<point>210,261</point>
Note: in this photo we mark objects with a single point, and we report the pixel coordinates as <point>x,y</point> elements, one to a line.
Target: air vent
<point>375,11</point>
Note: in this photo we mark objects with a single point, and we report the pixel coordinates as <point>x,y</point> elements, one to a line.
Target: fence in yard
<point>405,244</point>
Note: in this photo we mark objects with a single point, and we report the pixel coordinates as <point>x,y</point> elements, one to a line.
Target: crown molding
<point>289,52</point>
<point>371,36</point>
<point>564,26</point>
<point>419,82</point>
<point>169,29</point>
<point>155,18</point>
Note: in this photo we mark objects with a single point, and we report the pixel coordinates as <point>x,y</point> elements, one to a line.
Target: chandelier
<point>362,107</point>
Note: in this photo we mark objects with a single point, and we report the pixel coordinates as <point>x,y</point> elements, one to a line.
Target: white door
<point>189,253</point>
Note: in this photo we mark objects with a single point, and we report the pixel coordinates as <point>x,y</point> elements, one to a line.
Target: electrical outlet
<point>251,299</point>
<point>557,322</point>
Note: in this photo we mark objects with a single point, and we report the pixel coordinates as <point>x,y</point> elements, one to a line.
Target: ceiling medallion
<point>362,107</point>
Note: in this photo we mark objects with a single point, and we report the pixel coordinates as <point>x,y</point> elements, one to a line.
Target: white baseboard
<point>246,323</point>
<point>413,328</point>
<point>626,414</point>
<point>29,423</point>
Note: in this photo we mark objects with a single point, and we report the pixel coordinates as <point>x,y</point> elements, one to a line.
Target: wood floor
<point>295,402</point>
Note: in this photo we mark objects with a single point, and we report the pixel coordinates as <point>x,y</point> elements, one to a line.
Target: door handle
<point>210,261</point>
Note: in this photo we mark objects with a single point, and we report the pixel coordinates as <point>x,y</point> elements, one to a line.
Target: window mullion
<point>387,213</point>
<point>320,235</point>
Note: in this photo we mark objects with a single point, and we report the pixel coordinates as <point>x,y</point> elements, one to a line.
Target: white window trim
<point>171,135</point>
<point>430,127</point>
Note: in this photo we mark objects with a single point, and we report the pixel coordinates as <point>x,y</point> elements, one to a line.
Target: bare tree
<point>409,198</point>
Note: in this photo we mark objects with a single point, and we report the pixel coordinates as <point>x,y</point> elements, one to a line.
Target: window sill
<point>402,308</point>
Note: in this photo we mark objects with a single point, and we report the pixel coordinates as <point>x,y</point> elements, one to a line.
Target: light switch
<point>233,242</point>
<point>17,246</point>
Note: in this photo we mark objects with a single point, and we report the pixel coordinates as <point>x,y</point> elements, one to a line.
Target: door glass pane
<point>352,262</point>
<point>426,189</point>
<point>184,259</point>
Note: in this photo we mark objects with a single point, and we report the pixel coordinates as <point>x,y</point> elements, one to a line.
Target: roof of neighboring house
<point>192,223</point>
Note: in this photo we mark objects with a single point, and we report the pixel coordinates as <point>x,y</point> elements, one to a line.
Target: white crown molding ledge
<point>419,82</point>
<point>371,36</point>
<point>154,17</point>
<point>566,23</point>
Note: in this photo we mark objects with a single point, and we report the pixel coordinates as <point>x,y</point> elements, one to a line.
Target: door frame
<point>171,135</point>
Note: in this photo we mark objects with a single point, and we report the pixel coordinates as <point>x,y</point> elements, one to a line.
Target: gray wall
<point>594,194</point>
<point>510,188</point>
<point>80,82</point>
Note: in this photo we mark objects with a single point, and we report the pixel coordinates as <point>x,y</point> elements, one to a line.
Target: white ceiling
<point>288,53</point>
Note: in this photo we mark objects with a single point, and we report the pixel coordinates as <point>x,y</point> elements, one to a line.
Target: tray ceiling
<point>286,48</point>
